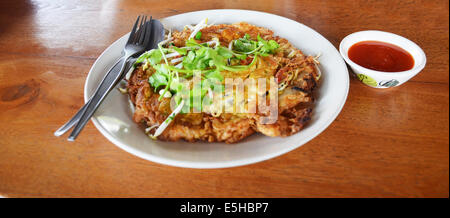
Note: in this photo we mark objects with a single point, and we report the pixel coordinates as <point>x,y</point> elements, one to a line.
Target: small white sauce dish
<point>379,79</point>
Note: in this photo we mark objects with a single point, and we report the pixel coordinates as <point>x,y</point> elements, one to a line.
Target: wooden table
<point>384,143</point>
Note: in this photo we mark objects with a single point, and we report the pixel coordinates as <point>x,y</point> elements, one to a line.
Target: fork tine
<point>140,30</point>
<point>144,27</point>
<point>148,34</point>
<point>133,31</point>
<point>144,33</point>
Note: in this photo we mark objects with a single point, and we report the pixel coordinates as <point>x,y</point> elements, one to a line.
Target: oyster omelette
<point>162,86</point>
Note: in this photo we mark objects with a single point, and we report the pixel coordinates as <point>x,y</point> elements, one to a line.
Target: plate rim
<point>222,164</point>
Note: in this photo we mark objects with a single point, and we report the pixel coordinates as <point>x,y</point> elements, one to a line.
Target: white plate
<point>114,119</point>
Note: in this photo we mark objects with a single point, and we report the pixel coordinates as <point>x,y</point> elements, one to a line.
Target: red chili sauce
<point>381,56</point>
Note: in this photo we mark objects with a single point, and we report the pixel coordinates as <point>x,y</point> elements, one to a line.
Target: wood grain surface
<point>384,143</point>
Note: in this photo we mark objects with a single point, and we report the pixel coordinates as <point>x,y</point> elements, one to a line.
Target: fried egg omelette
<point>239,50</point>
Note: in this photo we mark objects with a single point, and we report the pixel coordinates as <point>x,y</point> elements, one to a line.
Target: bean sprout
<point>198,27</point>
<point>166,122</point>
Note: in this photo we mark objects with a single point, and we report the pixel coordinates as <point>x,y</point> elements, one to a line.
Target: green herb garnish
<point>153,57</point>
<point>205,60</point>
<point>261,46</point>
<point>198,36</point>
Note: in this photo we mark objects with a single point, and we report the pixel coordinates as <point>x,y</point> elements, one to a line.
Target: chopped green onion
<point>198,36</point>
